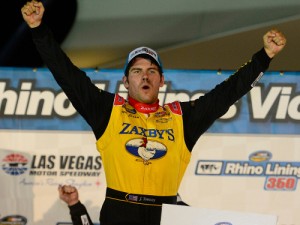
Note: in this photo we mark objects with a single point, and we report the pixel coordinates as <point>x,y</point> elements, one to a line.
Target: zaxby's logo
<point>146,150</point>
<point>280,176</point>
<point>15,164</point>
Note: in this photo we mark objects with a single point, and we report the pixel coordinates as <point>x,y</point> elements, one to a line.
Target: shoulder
<point>175,107</point>
<point>119,100</point>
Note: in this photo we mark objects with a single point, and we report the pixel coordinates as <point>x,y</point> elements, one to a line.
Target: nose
<point>145,76</point>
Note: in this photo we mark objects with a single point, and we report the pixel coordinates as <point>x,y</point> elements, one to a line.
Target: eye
<point>136,71</point>
<point>152,71</point>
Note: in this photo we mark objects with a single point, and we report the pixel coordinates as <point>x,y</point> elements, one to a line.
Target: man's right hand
<point>32,13</point>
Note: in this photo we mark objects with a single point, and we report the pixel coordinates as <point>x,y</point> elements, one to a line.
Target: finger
<point>28,9</point>
<point>37,6</point>
<point>269,36</point>
<point>31,7</point>
<point>279,39</point>
<point>68,189</point>
<point>61,189</point>
<point>279,42</point>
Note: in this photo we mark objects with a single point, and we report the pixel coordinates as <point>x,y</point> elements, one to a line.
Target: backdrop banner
<point>246,162</point>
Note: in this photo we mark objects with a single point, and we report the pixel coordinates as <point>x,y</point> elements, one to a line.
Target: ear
<point>125,82</point>
<point>162,80</point>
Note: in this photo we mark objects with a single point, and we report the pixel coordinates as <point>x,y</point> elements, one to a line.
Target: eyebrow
<point>138,68</point>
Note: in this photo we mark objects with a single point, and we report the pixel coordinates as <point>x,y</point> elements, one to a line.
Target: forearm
<point>64,71</point>
<point>199,115</point>
<point>79,215</point>
<point>243,80</point>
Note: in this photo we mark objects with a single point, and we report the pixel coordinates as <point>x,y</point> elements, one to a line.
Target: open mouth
<point>145,87</point>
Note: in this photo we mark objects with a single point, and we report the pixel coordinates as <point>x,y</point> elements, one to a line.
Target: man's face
<point>143,81</point>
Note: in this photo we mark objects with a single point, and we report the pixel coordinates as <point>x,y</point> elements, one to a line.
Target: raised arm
<point>200,115</point>
<point>93,104</point>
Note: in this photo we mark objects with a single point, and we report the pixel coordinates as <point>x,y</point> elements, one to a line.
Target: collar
<point>143,107</point>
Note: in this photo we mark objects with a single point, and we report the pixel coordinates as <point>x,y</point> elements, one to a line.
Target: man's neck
<point>143,107</point>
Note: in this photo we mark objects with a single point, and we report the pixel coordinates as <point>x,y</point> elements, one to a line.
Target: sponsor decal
<point>130,129</point>
<point>164,120</point>
<point>142,51</point>
<point>257,79</point>
<point>162,113</point>
<point>53,167</point>
<point>133,198</point>
<point>260,156</point>
<point>85,220</point>
<point>69,223</point>
<point>223,223</point>
<point>279,175</point>
<point>15,164</point>
<point>64,223</point>
<point>13,220</point>
<point>146,150</point>
<point>130,109</point>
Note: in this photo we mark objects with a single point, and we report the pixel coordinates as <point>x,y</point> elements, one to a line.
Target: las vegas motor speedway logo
<point>17,164</point>
<point>280,175</point>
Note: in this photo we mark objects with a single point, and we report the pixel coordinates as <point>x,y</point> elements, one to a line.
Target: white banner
<point>178,215</point>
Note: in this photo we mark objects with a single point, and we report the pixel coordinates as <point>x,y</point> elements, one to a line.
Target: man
<point>145,147</point>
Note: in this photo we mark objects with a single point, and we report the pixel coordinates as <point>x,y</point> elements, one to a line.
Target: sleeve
<point>200,114</point>
<point>79,215</point>
<point>93,104</point>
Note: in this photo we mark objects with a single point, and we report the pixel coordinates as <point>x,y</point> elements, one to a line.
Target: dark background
<point>16,46</point>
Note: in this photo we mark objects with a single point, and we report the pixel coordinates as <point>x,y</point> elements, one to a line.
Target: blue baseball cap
<point>143,51</point>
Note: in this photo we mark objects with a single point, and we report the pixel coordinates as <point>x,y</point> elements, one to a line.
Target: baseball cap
<point>143,51</point>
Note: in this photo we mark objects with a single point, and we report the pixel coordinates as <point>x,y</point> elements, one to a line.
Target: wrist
<point>34,25</point>
<point>270,53</point>
<point>74,202</point>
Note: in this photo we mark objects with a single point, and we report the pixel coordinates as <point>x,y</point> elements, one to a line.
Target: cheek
<point>126,84</point>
